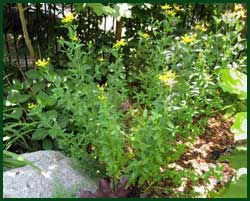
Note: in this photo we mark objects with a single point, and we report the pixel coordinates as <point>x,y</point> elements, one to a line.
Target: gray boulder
<point>56,176</point>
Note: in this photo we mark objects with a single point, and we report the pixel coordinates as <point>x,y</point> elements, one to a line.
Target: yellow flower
<point>171,12</point>
<point>101,59</point>
<point>68,18</point>
<point>177,8</point>
<point>166,7</point>
<point>42,62</point>
<point>241,13</point>
<point>145,35</point>
<point>168,78</point>
<point>74,38</point>
<point>201,27</point>
<point>188,39</point>
<point>102,98</point>
<point>238,7</point>
<point>31,106</point>
<point>119,43</point>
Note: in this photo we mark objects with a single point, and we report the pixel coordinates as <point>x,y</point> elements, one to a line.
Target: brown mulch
<point>204,153</point>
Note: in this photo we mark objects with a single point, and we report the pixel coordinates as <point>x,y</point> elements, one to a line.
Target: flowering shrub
<point>87,122</point>
<point>134,115</point>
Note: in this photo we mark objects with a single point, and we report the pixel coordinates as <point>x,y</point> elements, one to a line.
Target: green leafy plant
<point>130,107</point>
<point>163,107</point>
<point>235,82</point>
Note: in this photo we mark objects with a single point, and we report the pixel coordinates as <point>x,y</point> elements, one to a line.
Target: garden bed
<point>148,112</point>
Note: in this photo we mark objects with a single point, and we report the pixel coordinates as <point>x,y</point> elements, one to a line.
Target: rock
<point>27,182</point>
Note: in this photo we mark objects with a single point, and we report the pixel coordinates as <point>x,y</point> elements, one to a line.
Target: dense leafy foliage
<point>133,108</point>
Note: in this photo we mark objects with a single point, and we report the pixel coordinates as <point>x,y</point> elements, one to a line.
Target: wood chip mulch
<point>204,154</point>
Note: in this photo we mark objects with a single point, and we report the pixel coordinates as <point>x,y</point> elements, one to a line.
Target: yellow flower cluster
<point>31,106</point>
<point>102,97</point>
<point>145,35</point>
<point>166,7</point>
<point>68,18</point>
<point>188,39</point>
<point>202,27</point>
<point>177,8</point>
<point>42,62</point>
<point>168,78</point>
<point>239,11</point>
<point>169,10</point>
<point>119,43</point>
<point>238,7</point>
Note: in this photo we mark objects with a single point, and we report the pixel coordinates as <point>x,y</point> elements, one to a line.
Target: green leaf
<point>217,20</point>
<point>12,160</point>
<point>62,121</point>
<point>47,144</point>
<point>79,6</point>
<point>40,134</point>
<point>234,82</point>
<point>237,160</point>
<point>17,84</point>
<point>55,132</point>
<point>54,77</point>
<point>21,98</point>
<point>17,113</point>
<point>48,118</point>
<point>237,188</point>
<point>239,127</point>
<point>42,98</point>
<point>33,74</point>
<point>46,100</point>
<point>51,114</point>
<point>38,87</point>
<point>98,8</point>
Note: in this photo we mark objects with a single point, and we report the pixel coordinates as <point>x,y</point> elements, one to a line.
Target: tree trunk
<point>118,30</point>
<point>25,33</point>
